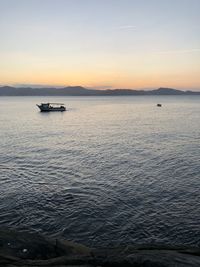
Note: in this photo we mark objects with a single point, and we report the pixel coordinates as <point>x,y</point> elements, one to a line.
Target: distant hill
<point>81,91</point>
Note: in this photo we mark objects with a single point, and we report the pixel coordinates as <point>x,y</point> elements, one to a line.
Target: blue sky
<point>98,43</point>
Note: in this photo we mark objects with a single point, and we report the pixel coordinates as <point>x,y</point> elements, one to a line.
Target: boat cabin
<point>51,107</point>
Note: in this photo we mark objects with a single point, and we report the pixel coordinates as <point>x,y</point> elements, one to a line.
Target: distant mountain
<point>167,91</point>
<point>81,91</point>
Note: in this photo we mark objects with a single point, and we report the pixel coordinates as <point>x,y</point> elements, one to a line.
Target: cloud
<point>127,27</point>
<point>100,87</point>
<point>179,51</point>
<point>33,85</point>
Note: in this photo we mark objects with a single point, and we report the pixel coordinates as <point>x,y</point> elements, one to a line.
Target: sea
<point>110,171</point>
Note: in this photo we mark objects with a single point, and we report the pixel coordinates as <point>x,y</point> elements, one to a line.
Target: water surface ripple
<point>109,171</point>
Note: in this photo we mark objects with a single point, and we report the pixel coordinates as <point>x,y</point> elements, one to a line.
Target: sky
<point>100,43</point>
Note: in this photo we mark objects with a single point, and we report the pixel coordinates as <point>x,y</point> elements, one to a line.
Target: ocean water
<point>108,171</point>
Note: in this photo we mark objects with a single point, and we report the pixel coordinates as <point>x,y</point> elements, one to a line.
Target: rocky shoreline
<point>29,249</point>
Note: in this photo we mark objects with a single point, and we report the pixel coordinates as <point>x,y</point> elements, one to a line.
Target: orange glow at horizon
<point>138,70</point>
<point>102,80</point>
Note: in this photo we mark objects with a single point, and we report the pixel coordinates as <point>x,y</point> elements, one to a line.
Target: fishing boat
<point>46,107</point>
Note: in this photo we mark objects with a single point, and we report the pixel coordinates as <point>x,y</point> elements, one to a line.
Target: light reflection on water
<point>110,170</point>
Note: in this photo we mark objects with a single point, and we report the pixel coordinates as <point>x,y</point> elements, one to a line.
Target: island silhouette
<point>81,91</point>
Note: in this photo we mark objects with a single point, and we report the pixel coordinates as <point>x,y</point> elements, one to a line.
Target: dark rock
<point>29,249</point>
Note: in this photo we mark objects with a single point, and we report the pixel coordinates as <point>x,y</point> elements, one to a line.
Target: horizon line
<point>100,88</point>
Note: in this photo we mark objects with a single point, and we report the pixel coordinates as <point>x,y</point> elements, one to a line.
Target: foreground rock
<point>25,249</point>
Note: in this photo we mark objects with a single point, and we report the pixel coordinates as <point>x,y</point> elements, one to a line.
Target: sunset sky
<point>101,43</point>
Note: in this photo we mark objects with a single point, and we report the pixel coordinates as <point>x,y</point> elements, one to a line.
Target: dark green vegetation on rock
<point>28,249</point>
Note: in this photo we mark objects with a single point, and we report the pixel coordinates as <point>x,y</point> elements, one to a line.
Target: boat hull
<point>51,109</point>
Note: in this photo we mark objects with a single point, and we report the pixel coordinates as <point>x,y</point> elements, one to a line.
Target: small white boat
<point>46,107</point>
